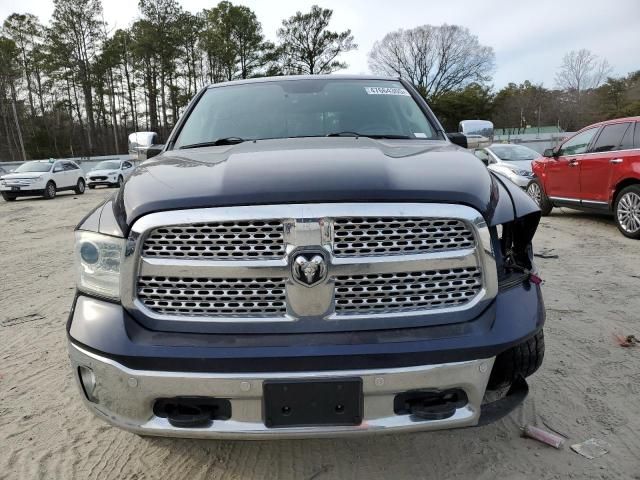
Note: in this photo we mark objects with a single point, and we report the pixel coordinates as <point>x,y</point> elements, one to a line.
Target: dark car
<point>597,169</point>
<point>307,256</point>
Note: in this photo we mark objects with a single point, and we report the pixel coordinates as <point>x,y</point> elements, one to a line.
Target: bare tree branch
<point>436,59</point>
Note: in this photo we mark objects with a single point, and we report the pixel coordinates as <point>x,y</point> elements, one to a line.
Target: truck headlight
<point>98,259</point>
<point>516,260</point>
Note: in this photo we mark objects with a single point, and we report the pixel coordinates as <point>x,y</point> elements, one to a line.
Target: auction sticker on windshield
<point>386,91</point>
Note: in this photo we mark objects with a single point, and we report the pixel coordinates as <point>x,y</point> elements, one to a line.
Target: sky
<point>529,38</point>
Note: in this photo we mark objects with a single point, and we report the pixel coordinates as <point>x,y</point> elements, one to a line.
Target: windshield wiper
<point>215,143</point>
<point>348,133</point>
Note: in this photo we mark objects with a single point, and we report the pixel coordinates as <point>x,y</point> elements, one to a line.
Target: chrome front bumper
<point>126,397</point>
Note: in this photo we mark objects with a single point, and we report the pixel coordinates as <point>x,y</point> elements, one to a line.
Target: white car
<point>513,161</point>
<point>110,173</point>
<point>42,178</point>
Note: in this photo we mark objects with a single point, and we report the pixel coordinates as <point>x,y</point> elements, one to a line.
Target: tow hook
<point>430,404</point>
<point>192,412</point>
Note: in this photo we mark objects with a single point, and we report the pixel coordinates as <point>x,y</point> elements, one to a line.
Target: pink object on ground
<point>543,436</point>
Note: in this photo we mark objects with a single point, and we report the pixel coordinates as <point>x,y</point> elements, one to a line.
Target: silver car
<point>512,161</point>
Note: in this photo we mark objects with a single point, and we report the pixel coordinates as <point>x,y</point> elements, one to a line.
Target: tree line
<point>453,70</point>
<point>571,105</point>
<point>76,88</point>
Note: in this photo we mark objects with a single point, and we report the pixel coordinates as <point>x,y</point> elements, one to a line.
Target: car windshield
<point>34,167</point>
<point>107,165</point>
<point>305,108</point>
<point>514,153</point>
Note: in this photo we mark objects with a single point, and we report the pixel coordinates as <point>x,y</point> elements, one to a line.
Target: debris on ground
<point>592,448</point>
<point>543,436</point>
<point>546,253</point>
<point>553,429</point>
<point>627,341</point>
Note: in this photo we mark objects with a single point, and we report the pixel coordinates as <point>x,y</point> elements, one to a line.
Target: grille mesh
<point>234,240</point>
<point>376,236</point>
<point>407,291</point>
<point>262,297</point>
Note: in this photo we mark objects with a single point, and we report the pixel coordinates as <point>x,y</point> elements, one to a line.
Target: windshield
<point>34,167</point>
<point>514,153</point>
<point>305,108</point>
<point>107,165</point>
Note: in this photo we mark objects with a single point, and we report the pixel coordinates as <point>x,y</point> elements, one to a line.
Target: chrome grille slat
<point>262,297</point>
<point>380,236</point>
<point>231,240</point>
<point>406,291</point>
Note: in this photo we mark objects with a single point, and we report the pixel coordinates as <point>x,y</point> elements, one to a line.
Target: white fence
<point>537,142</point>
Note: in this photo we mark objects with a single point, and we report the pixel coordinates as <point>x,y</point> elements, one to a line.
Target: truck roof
<point>301,77</point>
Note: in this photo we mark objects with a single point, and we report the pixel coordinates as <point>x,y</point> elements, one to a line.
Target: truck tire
<point>535,191</point>
<point>521,360</point>
<point>8,197</point>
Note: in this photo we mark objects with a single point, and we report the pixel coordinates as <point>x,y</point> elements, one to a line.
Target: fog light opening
<point>88,382</point>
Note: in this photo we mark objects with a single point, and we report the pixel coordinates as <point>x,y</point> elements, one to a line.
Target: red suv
<point>598,169</point>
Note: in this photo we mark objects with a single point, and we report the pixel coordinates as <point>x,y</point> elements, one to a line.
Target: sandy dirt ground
<point>587,387</point>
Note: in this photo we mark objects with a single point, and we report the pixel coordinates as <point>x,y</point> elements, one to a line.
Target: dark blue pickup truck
<point>307,256</point>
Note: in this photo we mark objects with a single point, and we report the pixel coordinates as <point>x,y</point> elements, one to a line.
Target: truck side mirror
<point>140,142</point>
<point>153,150</point>
<point>478,134</point>
<point>459,139</point>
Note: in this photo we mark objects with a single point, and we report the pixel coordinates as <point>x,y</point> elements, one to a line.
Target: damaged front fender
<point>510,202</point>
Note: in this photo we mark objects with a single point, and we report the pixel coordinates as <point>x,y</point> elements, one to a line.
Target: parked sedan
<point>42,178</point>
<point>513,161</point>
<point>111,173</point>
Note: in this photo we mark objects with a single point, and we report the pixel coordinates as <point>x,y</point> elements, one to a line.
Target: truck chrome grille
<point>235,240</point>
<point>373,236</point>
<point>263,297</point>
<point>309,267</point>
<point>406,291</point>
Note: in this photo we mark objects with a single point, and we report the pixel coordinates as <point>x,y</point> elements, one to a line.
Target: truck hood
<point>309,170</point>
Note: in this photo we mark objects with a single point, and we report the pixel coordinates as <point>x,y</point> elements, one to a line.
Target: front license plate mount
<point>313,403</point>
